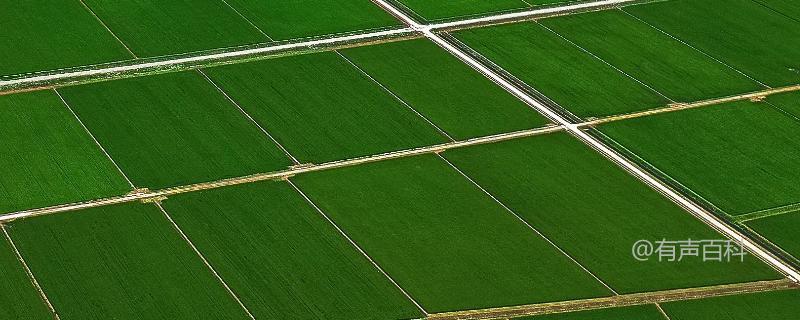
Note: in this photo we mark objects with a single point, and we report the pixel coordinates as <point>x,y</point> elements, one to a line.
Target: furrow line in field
<point>707,217</point>
<point>624,300</point>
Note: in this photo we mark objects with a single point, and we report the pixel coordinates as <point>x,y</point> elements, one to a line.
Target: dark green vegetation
<point>444,241</point>
<point>18,295</point>
<point>790,8</point>
<point>155,28</point>
<point>776,305</point>
<point>173,129</point>
<point>461,101</point>
<point>643,312</point>
<point>787,102</point>
<point>304,18</point>
<point>45,35</point>
<point>752,38</point>
<point>282,258</point>
<point>444,9</point>
<point>120,262</point>
<point>569,193</point>
<point>782,230</point>
<point>742,157</point>
<point>47,157</point>
<point>669,66</point>
<point>321,108</point>
<point>573,78</point>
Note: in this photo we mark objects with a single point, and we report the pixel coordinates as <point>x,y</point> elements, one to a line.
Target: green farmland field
<point>45,35</point>
<point>643,312</point>
<point>446,9</point>
<point>782,230</point>
<point>173,129</point>
<point>742,157</point>
<point>787,102</point>
<point>790,8</point>
<point>155,28</point>
<point>776,305</point>
<point>568,192</point>
<point>304,18</point>
<point>47,157</point>
<point>674,69</point>
<point>321,108</point>
<point>120,262</point>
<point>461,101</point>
<point>754,39</point>
<point>282,258</point>
<point>448,244</point>
<point>19,298</point>
<point>574,79</point>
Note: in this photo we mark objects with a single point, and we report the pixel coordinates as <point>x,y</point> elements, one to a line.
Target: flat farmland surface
<point>574,79</point>
<point>282,258</point>
<point>322,109</point>
<point>752,38</point>
<point>444,241</point>
<point>461,101</point>
<point>776,305</point>
<point>671,67</point>
<point>173,129</point>
<point>19,296</point>
<point>790,8</point>
<point>742,157</point>
<point>50,35</point>
<point>787,102</point>
<point>569,192</point>
<point>305,18</point>
<point>438,10</point>
<point>643,312</point>
<point>782,230</point>
<point>120,262</point>
<point>154,28</point>
<point>47,157</point>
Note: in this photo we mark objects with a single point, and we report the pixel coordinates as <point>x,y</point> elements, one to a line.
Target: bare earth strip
<point>202,59</point>
<point>619,301</point>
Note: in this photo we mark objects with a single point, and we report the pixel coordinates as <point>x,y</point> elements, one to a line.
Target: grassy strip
<point>768,212</point>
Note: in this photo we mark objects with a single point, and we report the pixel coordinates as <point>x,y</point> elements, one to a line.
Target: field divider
<point>599,146</point>
<point>28,271</point>
<point>145,195</point>
<point>766,213</point>
<point>752,96</point>
<point>624,300</point>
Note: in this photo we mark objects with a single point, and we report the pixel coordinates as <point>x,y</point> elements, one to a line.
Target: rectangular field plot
<point>752,38</point>
<point>596,212</point>
<point>48,158</point>
<point>18,297</point>
<point>444,241</point>
<point>787,102</point>
<point>669,66</point>
<point>322,109</point>
<point>643,312</point>
<point>450,9</point>
<point>43,35</point>
<point>580,83</point>
<point>283,20</point>
<point>120,262</point>
<point>783,230</point>
<point>282,258</point>
<point>775,305</point>
<point>742,157</point>
<point>173,129</point>
<point>461,101</point>
<point>155,28</point>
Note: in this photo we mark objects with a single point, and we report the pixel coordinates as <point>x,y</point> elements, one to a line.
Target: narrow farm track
<point>707,217</point>
<point>56,78</point>
<point>618,301</point>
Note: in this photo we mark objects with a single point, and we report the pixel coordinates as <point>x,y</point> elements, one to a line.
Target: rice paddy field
<point>400,159</point>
